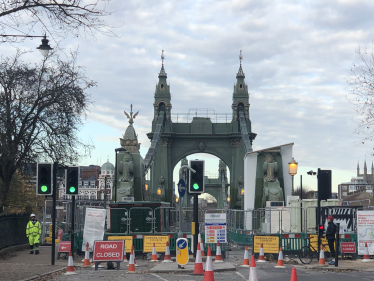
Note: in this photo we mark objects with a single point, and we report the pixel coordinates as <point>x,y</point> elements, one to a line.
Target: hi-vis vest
<point>33,229</point>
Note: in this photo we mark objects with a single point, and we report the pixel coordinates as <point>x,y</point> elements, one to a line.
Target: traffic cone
<point>71,269</point>
<point>246,259</point>
<point>293,274</point>
<point>280,259</point>
<point>202,247</point>
<point>198,262</point>
<point>218,253</point>
<point>253,270</point>
<point>86,261</point>
<point>167,257</point>
<point>131,268</point>
<point>209,274</point>
<point>366,254</point>
<point>154,254</point>
<point>261,257</point>
<point>321,260</point>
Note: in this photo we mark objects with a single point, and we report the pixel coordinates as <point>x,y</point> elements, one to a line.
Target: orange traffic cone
<point>86,261</point>
<point>366,254</point>
<point>246,259</point>
<point>253,270</point>
<point>321,260</point>
<point>71,269</point>
<point>167,257</point>
<point>131,268</point>
<point>202,247</point>
<point>293,274</point>
<point>198,262</point>
<point>261,257</point>
<point>218,253</point>
<point>280,259</point>
<point>209,274</point>
<point>154,254</point>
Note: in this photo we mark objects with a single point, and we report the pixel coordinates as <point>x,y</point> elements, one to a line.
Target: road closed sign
<point>108,251</point>
<point>270,244</point>
<point>182,251</point>
<point>64,246</point>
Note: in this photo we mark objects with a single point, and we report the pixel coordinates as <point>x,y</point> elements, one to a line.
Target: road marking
<point>158,276</point>
<point>241,275</point>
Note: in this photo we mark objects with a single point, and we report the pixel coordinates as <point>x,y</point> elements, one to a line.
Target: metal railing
<point>201,112</point>
<point>13,230</point>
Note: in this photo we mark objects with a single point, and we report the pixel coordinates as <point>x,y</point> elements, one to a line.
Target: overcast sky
<point>297,60</point>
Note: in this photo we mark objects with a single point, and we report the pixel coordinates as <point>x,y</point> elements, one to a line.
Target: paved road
<point>265,272</point>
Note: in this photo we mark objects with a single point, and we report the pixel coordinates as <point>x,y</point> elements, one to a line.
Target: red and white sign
<point>64,246</point>
<point>60,233</point>
<point>348,247</point>
<point>108,251</point>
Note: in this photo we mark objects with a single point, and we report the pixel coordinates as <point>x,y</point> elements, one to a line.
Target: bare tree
<point>306,193</point>
<point>41,109</point>
<point>361,89</point>
<point>57,17</point>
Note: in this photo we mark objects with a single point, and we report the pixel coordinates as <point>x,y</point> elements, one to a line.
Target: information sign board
<point>270,244</point>
<point>64,246</point>
<point>93,227</point>
<point>60,233</point>
<point>159,240</point>
<point>108,251</point>
<point>348,247</point>
<point>127,239</point>
<point>215,228</point>
<point>182,251</point>
<point>365,231</point>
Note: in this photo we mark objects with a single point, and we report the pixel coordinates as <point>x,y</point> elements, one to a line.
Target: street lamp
<point>228,199</point>
<point>159,191</point>
<point>115,172</point>
<point>146,187</point>
<point>292,170</point>
<point>176,200</point>
<point>44,47</point>
<point>242,191</point>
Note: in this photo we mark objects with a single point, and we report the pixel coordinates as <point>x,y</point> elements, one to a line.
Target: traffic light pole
<point>196,220</point>
<point>72,222</point>
<point>54,191</point>
<point>318,213</point>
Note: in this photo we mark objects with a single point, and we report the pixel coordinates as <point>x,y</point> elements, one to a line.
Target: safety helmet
<point>32,215</point>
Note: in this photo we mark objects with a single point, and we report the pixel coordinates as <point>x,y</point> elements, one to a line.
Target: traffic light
<point>197,179</point>
<point>44,179</point>
<point>324,184</point>
<point>71,180</point>
<point>320,230</point>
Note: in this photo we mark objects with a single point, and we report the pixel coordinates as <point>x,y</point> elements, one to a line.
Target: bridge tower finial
<point>162,58</point>
<point>240,58</point>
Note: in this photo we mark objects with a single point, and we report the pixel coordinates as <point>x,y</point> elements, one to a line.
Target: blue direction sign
<point>182,244</point>
<point>181,187</point>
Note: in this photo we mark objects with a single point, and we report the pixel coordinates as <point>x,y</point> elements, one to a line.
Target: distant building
<point>361,183</point>
<point>92,183</point>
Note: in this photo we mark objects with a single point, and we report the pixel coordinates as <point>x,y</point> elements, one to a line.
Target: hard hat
<point>32,215</point>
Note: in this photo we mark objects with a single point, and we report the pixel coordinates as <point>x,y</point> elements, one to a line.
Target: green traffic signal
<point>44,188</point>
<point>72,189</point>
<point>195,186</point>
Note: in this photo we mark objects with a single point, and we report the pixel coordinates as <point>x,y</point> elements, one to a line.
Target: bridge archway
<point>175,136</point>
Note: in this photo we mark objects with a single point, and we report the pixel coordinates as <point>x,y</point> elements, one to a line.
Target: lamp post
<point>115,172</point>
<point>292,170</point>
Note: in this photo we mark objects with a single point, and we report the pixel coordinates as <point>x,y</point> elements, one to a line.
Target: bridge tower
<point>172,141</point>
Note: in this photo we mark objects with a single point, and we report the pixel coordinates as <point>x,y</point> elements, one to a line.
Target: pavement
<point>21,265</point>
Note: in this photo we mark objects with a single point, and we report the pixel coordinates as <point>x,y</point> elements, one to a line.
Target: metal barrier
<point>13,230</point>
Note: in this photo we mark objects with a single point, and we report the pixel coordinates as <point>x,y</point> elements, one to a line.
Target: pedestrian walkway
<point>21,265</point>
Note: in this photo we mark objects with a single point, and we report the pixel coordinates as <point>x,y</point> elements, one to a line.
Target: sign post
<point>105,251</point>
<point>181,191</point>
<point>182,251</point>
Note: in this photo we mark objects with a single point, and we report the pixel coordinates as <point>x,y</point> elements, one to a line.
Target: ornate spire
<point>240,72</point>
<point>131,117</point>
<point>162,72</point>
<point>130,139</point>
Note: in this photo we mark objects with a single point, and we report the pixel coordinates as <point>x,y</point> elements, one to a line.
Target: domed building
<point>107,171</point>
